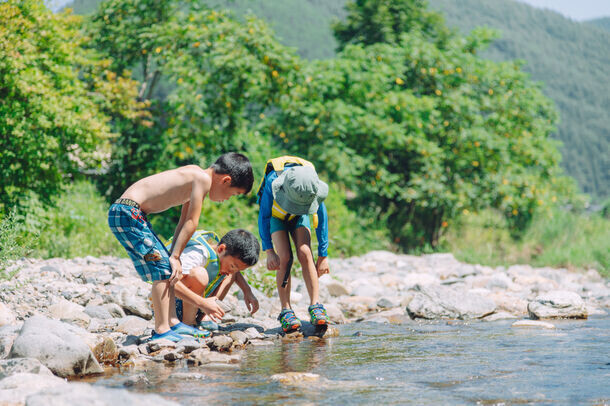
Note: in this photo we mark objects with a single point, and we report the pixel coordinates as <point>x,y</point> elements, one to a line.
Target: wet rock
<point>532,323</point>
<point>221,343</point>
<point>106,351</point>
<point>85,394</point>
<point>14,389</point>
<point>558,304</point>
<point>295,378</point>
<point>56,345</point>
<point>238,337</point>
<point>499,316</point>
<point>136,380</point>
<point>215,357</point>
<point>132,325</point>
<point>129,351</point>
<point>22,365</point>
<point>189,345</point>
<point>252,333</point>
<point>439,302</point>
<point>156,345</point>
<point>260,343</point>
<point>7,317</point>
<point>187,376</point>
<point>172,356</point>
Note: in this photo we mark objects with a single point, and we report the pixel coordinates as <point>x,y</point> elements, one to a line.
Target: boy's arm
<point>249,298</point>
<point>264,214</point>
<point>189,218</point>
<point>183,215</point>
<point>322,234</point>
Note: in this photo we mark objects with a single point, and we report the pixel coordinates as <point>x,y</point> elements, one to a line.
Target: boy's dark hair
<point>243,245</point>
<point>238,167</point>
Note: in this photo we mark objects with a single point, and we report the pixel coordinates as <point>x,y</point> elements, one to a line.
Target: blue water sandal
<point>168,335</point>
<point>289,320</point>
<point>186,330</point>
<point>208,325</point>
<point>318,315</point>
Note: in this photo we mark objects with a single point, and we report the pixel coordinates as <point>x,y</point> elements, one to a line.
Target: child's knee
<point>196,280</point>
<point>304,253</point>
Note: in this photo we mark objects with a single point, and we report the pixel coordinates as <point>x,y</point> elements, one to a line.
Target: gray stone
<point>69,312</point>
<point>85,394</point>
<point>189,345</point>
<point>335,314</point>
<point>532,323</point>
<point>115,310</point>
<point>558,304</point>
<point>57,345</point>
<point>99,312</point>
<point>136,305</point>
<point>252,333</point>
<point>336,289</point>
<point>156,345</point>
<point>7,317</point>
<point>221,343</point>
<point>16,388</point>
<point>440,302</point>
<point>215,357</point>
<point>132,325</point>
<point>172,356</point>
<point>385,303</point>
<point>129,351</point>
<point>238,337</point>
<point>136,380</point>
<point>22,365</point>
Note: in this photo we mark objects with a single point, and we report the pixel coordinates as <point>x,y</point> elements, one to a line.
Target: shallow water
<point>413,362</point>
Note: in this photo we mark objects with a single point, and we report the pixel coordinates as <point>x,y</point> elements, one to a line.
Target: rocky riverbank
<point>67,318</point>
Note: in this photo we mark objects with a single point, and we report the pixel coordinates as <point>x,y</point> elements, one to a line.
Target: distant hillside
<point>571,59</point>
<point>603,23</point>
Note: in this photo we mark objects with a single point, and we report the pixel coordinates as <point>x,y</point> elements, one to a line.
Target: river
<point>410,362</point>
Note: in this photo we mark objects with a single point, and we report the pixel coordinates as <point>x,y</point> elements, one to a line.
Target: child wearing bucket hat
<point>289,192</point>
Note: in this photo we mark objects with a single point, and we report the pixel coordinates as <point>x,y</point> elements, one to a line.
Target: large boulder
<point>57,345</point>
<point>439,302</point>
<point>558,304</point>
<point>22,365</point>
<point>16,388</point>
<point>85,394</point>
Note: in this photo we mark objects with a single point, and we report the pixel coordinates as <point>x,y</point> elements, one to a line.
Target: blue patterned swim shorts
<point>131,227</point>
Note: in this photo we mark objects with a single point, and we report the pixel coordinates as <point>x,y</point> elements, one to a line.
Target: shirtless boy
<point>230,175</point>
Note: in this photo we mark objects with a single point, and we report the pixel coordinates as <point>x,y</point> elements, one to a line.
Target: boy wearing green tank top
<point>210,266</point>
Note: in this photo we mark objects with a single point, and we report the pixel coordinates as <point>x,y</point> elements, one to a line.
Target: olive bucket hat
<point>298,190</point>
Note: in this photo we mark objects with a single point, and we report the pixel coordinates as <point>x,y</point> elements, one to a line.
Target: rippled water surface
<point>428,362</point>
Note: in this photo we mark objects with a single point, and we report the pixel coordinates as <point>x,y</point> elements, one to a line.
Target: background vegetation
<point>413,130</point>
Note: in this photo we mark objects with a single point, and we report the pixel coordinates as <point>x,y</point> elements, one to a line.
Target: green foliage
<point>384,21</point>
<point>11,246</point>
<point>74,224</point>
<point>569,57</point>
<point>422,134</point>
<point>555,238</point>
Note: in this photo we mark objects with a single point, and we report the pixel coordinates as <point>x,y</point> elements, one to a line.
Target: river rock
<point>98,312</point>
<point>22,365</point>
<point>115,310</point>
<point>335,314</point>
<point>56,345</point>
<point>337,289</point>
<point>238,337</point>
<point>132,325</point>
<point>7,317</point>
<point>295,378</point>
<point>221,343</point>
<point>69,312</point>
<point>136,305</point>
<point>8,334</point>
<point>558,304</point>
<point>532,323</point>
<point>438,302</point>
<point>14,389</point>
<point>85,394</point>
<point>213,357</point>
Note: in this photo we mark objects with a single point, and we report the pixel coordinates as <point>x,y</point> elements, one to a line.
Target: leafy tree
<point>422,134</point>
<point>373,21</point>
<point>206,77</point>
<point>53,98</point>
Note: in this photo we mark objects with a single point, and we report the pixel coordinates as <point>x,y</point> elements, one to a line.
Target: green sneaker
<point>318,315</point>
<point>289,321</point>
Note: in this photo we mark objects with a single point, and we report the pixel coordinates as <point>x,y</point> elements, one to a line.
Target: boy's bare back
<point>159,192</point>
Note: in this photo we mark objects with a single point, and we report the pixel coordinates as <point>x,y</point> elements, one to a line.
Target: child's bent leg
<point>162,301</point>
<point>302,239</point>
<point>282,247</point>
<point>196,281</point>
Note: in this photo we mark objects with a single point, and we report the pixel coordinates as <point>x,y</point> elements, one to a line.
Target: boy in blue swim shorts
<point>211,266</point>
<point>186,186</point>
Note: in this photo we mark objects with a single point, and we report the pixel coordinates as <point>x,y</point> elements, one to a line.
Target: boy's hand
<point>322,266</point>
<point>211,308</point>
<point>176,266</point>
<point>251,302</point>
<point>273,260</point>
